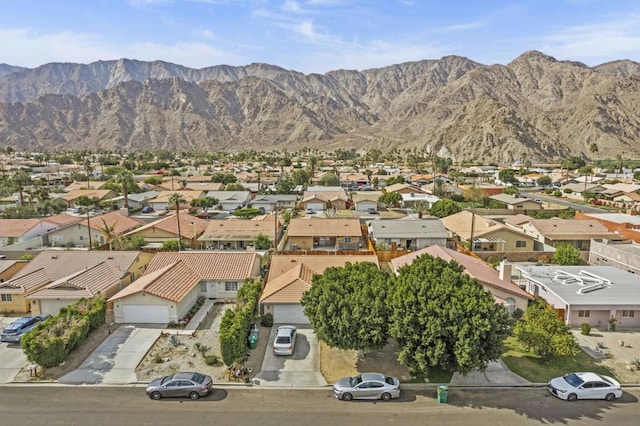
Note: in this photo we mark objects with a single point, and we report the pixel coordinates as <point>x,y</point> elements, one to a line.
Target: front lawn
<point>537,369</point>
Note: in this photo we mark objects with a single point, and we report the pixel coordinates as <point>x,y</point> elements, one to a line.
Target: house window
<point>6,298</point>
<point>231,286</point>
<point>81,237</point>
<point>521,243</point>
<point>347,240</point>
<point>511,305</point>
<point>584,314</point>
<point>203,287</point>
<point>628,314</point>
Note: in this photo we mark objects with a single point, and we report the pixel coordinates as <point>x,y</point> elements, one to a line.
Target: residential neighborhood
<point>177,255</point>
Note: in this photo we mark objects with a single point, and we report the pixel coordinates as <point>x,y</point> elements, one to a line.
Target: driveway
<point>496,374</point>
<point>115,360</point>
<point>12,359</point>
<point>298,370</point>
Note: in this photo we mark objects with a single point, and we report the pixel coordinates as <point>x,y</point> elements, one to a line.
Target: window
<point>6,298</point>
<point>584,314</point>
<point>203,287</point>
<point>511,305</point>
<point>521,243</point>
<point>628,314</point>
<point>347,240</point>
<point>231,286</point>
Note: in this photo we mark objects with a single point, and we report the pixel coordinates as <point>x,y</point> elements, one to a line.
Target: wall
<point>18,304</point>
<point>608,253</point>
<point>625,230</point>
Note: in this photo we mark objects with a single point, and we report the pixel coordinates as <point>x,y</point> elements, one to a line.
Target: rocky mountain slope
<point>534,107</point>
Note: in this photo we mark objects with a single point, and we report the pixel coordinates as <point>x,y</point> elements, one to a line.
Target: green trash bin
<point>253,340</point>
<point>443,393</point>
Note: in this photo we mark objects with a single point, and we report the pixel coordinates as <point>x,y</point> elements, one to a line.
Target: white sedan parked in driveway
<point>585,386</point>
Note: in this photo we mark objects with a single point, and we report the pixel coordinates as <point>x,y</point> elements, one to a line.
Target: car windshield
<point>573,380</point>
<point>165,379</point>
<point>389,380</point>
<point>355,380</point>
<point>283,340</point>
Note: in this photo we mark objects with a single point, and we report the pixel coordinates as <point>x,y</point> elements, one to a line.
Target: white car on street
<point>585,386</point>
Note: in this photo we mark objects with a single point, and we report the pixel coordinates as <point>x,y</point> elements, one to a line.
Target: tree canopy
<point>390,199</point>
<point>347,306</point>
<point>566,254</point>
<point>543,332</point>
<point>443,318</point>
<point>445,207</point>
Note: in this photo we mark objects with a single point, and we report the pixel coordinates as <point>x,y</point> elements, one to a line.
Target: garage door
<point>316,207</point>
<point>52,307</point>
<point>151,314</point>
<point>289,314</point>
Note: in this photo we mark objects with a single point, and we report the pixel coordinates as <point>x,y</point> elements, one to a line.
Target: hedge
<point>234,326</point>
<point>51,342</point>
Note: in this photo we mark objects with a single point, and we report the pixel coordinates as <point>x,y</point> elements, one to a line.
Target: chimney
<point>504,272</point>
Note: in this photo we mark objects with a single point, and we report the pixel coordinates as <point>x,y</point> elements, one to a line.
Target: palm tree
<point>21,179</point>
<point>109,232</point>
<point>593,148</point>
<point>86,202</point>
<point>176,199</point>
<point>125,178</point>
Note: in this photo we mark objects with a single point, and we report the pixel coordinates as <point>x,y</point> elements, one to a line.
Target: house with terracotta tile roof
<point>166,228</point>
<point>76,233</point>
<point>162,296</point>
<point>239,234</point>
<point>404,188</point>
<point>290,276</point>
<point>14,231</point>
<point>504,291</point>
<point>173,282</point>
<point>319,198</point>
<point>363,201</point>
<point>100,194</point>
<point>55,278</point>
<point>204,186</point>
<point>324,234</point>
<point>161,202</point>
<point>486,234</point>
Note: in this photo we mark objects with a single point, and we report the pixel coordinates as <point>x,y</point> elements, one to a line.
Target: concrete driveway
<point>496,374</point>
<point>114,361</point>
<point>12,359</point>
<point>298,370</point>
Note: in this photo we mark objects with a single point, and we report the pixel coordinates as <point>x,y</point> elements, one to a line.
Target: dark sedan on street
<point>183,384</point>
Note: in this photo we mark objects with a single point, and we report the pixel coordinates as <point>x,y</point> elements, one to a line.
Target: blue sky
<point>315,35</point>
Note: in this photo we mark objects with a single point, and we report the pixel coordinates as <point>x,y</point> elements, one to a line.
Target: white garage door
<point>316,207</point>
<point>289,314</point>
<point>52,307</point>
<point>152,314</point>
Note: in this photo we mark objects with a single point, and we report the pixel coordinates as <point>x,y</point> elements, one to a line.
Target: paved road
<point>12,360</point>
<point>81,405</point>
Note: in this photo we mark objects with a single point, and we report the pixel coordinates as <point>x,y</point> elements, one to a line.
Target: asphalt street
<point>561,201</point>
<point>101,405</point>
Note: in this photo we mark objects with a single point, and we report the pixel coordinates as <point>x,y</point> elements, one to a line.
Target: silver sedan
<point>367,386</point>
<point>193,385</point>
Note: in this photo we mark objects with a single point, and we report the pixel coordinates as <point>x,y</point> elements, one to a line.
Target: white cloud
<point>598,42</point>
<point>473,25</point>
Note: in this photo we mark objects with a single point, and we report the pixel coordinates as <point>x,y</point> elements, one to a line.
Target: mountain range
<point>536,108</point>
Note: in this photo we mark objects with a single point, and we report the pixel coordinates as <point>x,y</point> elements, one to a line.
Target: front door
<point>212,290</point>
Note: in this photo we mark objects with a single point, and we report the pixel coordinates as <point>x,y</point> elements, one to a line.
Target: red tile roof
<point>98,279</point>
<point>210,265</point>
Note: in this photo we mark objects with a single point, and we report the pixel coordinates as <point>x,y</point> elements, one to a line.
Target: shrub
<point>211,360</point>
<point>585,328</point>
<point>557,193</point>
<point>267,320</point>
<point>158,359</point>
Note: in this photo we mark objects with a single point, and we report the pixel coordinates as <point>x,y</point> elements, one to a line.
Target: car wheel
<point>572,397</point>
<point>385,396</point>
<point>156,395</point>
<point>194,395</point>
<point>610,397</point>
<point>347,396</point>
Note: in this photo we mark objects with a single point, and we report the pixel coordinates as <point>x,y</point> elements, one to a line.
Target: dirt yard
<point>620,348</point>
<point>167,357</point>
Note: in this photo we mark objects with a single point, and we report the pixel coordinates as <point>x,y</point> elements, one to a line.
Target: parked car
<point>585,386</point>
<point>367,386</point>
<point>184,384</point>
<point>14,331</point>
<point>147,209</point>
<point>285,341</point>
<point>371,210</point>
<point>309,211</point>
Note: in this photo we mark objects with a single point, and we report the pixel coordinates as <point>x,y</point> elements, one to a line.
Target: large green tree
<point>566,254</point>
<point>445,207</point>
<point>347,306</point>
<point>543,332</point>
<point>390,199</point>
<point>442,318</point>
